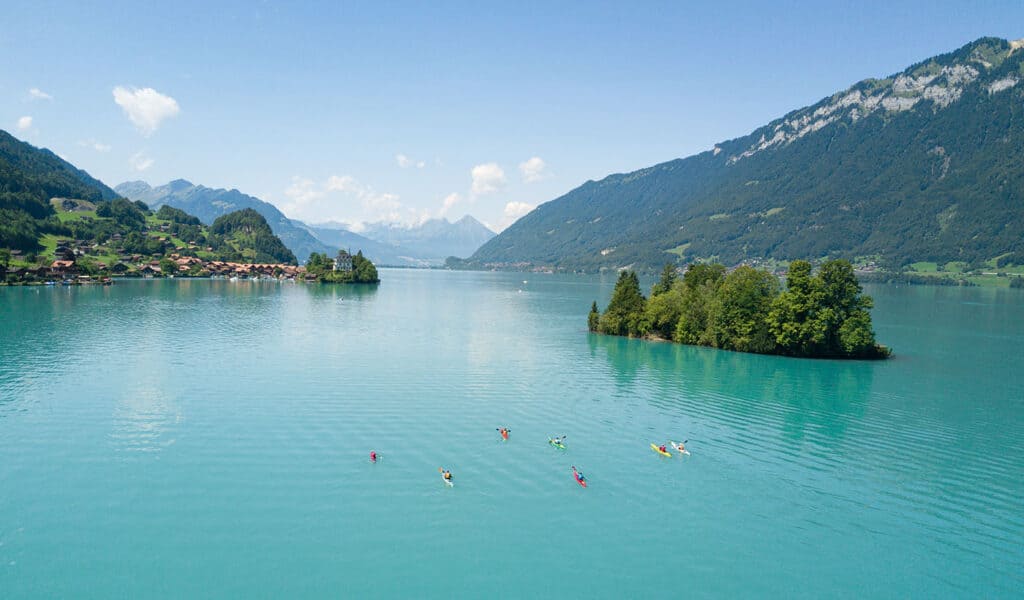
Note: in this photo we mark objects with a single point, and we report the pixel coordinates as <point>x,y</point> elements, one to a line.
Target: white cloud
<point>38,94</point>
<point>405,162</point>
<point>24,123</point>
<point>449,201</point>
<point>340,197</point>
<point>302,193</point>
<point>487,178</point>
<point>512,212</point>
<point>97,146</point>
<point>146,108</point>
<point>533,169</point>
<point>140,162</point>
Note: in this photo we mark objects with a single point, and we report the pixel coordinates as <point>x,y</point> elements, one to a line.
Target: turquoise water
<point>211,439</point>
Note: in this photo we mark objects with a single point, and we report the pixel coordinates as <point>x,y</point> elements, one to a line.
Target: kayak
<point>557,444</point>
<point>504,435</point>
<point>658,450</point>
<point>447,482</point>
<point>579,478</point>
<point>678,449</point>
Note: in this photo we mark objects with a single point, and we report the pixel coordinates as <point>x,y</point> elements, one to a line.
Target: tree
<point>168,266</point>
<point>625,312</point>
<point>739,320</point>
<point>594,317</point>
<point>5,258</point>
<point>668,279</point>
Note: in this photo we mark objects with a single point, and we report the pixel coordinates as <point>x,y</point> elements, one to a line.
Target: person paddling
<point>373,456</point>
<point>504,431</point>
<point>662,448</point>
<point>447,475</point>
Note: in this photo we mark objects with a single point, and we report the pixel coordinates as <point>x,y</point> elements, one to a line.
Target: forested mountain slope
<point>924,165</point>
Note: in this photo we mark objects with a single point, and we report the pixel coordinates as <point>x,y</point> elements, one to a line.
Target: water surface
<point>210,439</point>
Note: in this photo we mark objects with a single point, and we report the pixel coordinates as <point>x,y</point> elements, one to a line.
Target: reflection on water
<point>800,393</point>
<point>144,420</point>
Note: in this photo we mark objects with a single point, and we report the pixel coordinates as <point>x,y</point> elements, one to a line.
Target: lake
<point>197,438</point>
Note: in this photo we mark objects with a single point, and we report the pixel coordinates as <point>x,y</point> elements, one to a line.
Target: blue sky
<point>404,111</point>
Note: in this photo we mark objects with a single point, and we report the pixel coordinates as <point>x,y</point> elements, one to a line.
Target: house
<point>61,268</point>
<point>343,262</point>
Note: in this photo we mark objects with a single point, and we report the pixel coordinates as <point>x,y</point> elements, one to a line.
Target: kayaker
<point>578,474</point>
<point>662,448</point>
<point>373,456</point>
<point>447,475</point>
<point>680,447</point>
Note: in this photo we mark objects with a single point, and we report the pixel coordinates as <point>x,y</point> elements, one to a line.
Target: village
<point>74,264</point>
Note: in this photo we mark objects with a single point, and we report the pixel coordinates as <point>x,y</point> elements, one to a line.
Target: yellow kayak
<point>658,450</point>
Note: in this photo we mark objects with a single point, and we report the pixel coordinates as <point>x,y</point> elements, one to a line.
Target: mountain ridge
<point>887,167</point>
<point>427,244</point>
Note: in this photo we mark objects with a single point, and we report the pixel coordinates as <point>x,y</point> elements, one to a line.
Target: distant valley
<point>424,245</point>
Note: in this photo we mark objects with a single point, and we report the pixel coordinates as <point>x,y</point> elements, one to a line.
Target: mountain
<point>380,253</point>
<point>434,239</point>
<point>302,239</point>
<point>209,203</point>
<point>923,165</point>
<point>29,178</point>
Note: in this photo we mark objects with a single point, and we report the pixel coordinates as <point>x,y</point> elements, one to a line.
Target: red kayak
<point>504,433</point>
<point>580,479</point>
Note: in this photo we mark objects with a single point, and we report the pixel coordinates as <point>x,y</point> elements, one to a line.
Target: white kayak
<point>678,448</point>
<point>447,482</point>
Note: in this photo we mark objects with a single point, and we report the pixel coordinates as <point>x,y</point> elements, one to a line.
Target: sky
<point>404,111</point>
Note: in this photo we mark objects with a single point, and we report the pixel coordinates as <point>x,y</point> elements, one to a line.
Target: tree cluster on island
<point>323,268</point>
<point>823,315</point>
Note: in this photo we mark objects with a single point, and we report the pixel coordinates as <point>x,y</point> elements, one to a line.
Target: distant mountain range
<point>923,165</point>
<point>428,244</point>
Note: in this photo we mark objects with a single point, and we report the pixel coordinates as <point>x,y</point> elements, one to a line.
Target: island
<point>345,268</point>
<point>816,315</point>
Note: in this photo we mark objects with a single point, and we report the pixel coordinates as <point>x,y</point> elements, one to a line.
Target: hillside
<point>923,165</point>
<point>29,178</point>
<point>208,204</point>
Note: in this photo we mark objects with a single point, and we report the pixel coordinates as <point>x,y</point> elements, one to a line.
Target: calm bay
<point>209,438</point>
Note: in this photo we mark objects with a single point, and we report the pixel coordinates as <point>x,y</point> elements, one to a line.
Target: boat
<point>677,448</point>
<point>446,481</point>
<point>579,477</point>
<point>660,451</point>
<point>504,433</point>
<point>557,444</point>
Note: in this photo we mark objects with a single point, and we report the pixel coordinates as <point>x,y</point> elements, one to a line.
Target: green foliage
<point>698,301</point>
<point>363,270</point>
<point>124,213</point>
<point>1017,282</point>
<point>247,228</point>
<point>738,320</point>
<point>168,266</point>
<point>29,177</point>
<point>668,278</point>
<point>593,318</point>
<point>625,312</point>
<point>929,183</point>
<point>823,315</point>
<point>176,215</point>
